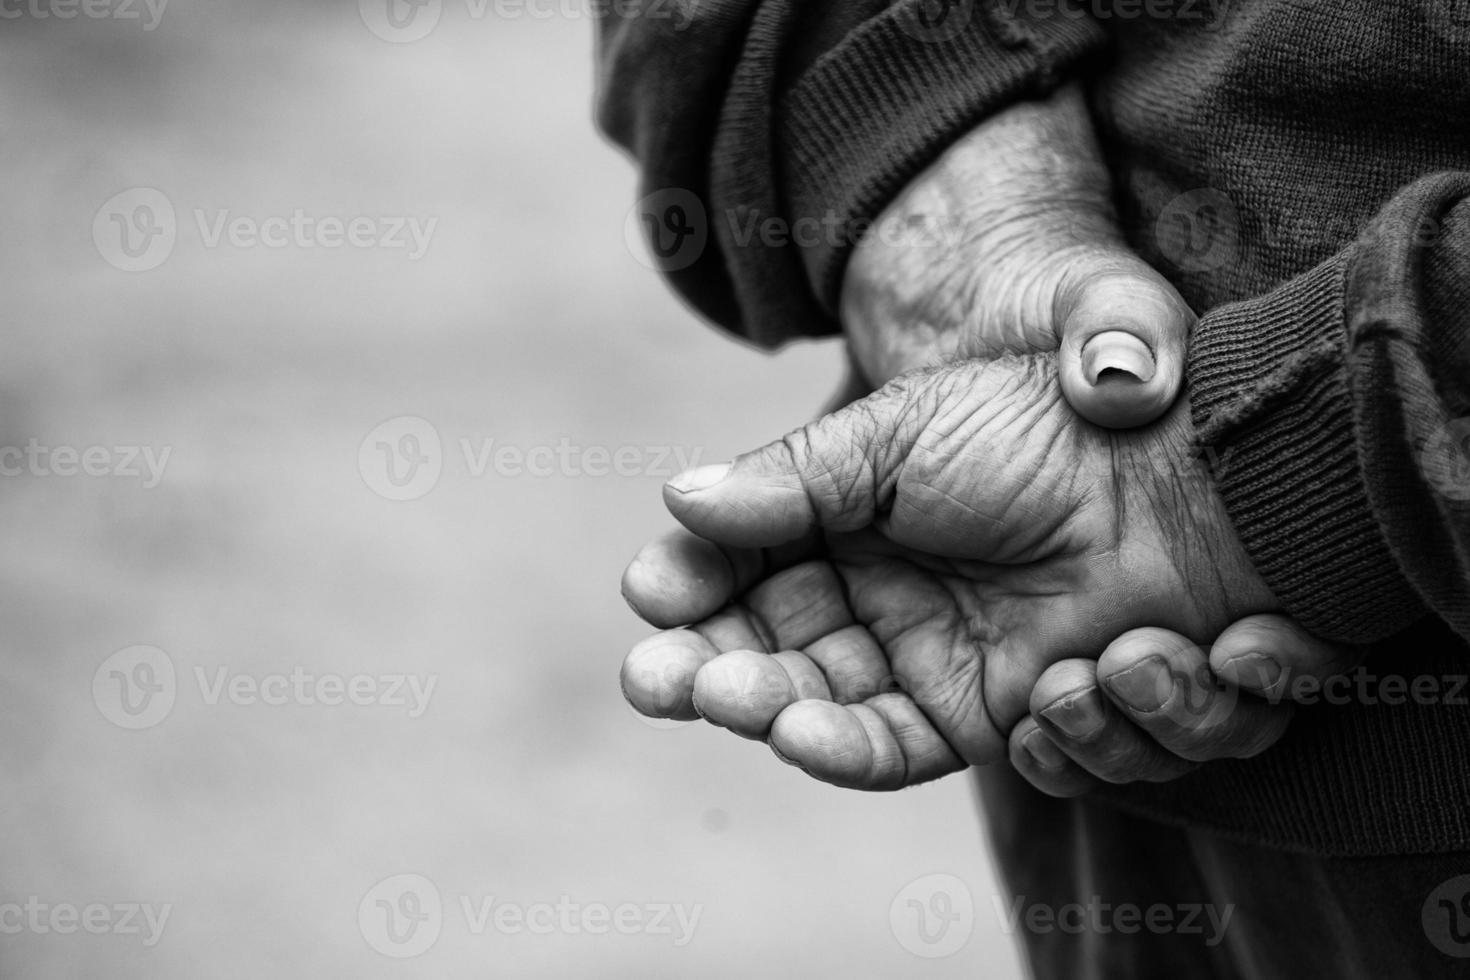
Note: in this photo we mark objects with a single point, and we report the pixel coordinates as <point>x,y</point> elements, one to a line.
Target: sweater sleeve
<point>770,133</point>
<point>1337,409</point>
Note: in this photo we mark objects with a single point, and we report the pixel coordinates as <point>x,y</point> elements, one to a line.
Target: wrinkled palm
<point>877,593</point>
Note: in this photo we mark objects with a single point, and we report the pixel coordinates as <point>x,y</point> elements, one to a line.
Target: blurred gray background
<point>169,643</point>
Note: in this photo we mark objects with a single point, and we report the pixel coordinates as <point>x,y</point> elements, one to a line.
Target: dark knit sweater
<point>1297,168</point>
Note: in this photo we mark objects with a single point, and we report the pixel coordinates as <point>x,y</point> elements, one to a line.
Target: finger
<point>834,473</point>
<point>1272,656</point>
<point>800,604</point>
<point>885,743</point>
<point>1124,331</point>
<point>658,674</point>
<point>744,691</point>
<point>679,578</point>
<point>736,628</point>
<point>1071,709</point>
<point>1038,759</point>
<point>853,664</point>
<point>806,608</point>
<point>841,473</point>
<point>1164,684</point>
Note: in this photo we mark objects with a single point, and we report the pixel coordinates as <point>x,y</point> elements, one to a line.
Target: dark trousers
<point>1096,892</point>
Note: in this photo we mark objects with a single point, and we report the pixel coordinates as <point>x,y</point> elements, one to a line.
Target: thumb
<point>836,473</point>
<point>1124,331</point>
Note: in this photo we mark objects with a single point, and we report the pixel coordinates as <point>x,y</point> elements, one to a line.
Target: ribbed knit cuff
<point>1355,776</point>
<point>1270,398</point>
<point>876,110</point>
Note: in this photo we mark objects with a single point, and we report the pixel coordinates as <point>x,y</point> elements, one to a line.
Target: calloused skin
<point>1031,261</point>
<point>881,594</point>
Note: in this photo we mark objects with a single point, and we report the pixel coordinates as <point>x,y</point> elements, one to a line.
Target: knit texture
<point>1275,163</point>
<point>1270,397</point>
<point>886,103</point>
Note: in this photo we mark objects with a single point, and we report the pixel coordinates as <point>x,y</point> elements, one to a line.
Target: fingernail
<point>700,479</point>
<point>1146,686</point>
<point>1043,750</point>
<point>1257,667</point>
<point>1077,715</point>
<point>1116,350</point>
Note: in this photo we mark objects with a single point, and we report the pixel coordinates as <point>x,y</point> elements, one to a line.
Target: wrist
<point>1171,485</point>
<point>968,259</point>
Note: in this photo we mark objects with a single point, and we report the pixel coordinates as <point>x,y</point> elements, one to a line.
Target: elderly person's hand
<point>1007,244</point>
<point>907,571</point>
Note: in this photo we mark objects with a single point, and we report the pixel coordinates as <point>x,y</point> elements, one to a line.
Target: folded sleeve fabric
<point>771,133</point>
<point>1338,406</point>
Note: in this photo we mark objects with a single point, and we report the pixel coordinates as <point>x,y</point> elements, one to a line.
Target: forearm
<point>957,251</point>
<point>780,118</point>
